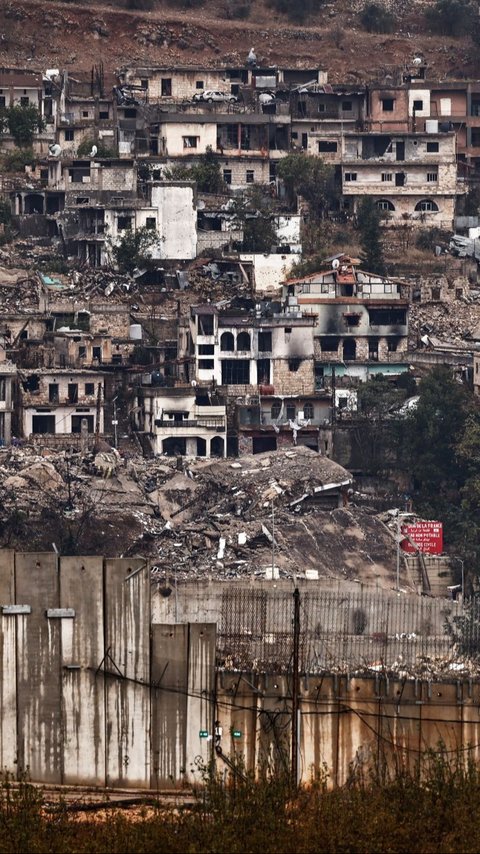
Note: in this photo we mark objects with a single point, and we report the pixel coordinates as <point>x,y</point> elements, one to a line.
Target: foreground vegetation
<point>431,811</point>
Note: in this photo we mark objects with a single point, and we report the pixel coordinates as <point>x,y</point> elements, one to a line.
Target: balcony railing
<point>204,423</point>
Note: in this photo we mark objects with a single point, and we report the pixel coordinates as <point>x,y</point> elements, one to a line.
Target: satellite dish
<point>55,149</point>
<point>417,60</point>
<point>335,264</point>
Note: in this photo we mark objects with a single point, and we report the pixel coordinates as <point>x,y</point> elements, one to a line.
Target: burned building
<point>56,402</point>
<point>361,319</point>
<point>247,351</point>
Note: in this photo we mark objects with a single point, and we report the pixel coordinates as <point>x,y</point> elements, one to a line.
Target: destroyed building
<point>181,420</point>
<point>360,320</point>
<point>57,402</point>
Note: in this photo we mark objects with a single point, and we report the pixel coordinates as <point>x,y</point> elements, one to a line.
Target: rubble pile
<point>453,323</point>
<point>259,516</point>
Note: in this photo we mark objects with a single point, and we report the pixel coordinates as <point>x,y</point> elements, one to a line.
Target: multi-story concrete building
<point>412,176</point>
<point>8,372</point>
<point>246,351</point>
<point>57,401</point>
<point>360,320</point>
<point>181,420</point>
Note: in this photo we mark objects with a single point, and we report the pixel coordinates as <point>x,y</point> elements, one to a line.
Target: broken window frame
<point>263,371</point>
<point>275,410</point>
<point>190,141</point>
<point>206,349</point>
<point>205,324</point>
<point>265,342</point>
<point>327,146</point>
<point>72,393</point>
<point>235,371</point>
<point>53,393</point>
<point>244,342</point>
<point>427,206</point>
<point>227,342</point>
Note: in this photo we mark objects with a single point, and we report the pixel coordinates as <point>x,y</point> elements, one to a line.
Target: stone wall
<point>288,381</point>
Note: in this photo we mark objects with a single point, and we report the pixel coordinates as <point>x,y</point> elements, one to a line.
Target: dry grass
<point>429,810</point>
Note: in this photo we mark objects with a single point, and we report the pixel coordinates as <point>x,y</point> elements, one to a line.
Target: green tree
<point>206,173</point>
<point>253,213</point>
<point>379,396</point>
<point>310,178</point>
<point>133,250</point>
<point>22,122</point>
<point>368,217</point>
<point>431,434</point>
<point>452,17</point>
<point>376,19</point>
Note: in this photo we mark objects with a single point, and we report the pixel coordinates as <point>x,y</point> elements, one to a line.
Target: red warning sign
<point>427,536</point>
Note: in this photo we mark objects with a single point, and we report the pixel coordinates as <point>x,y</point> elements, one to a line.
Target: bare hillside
<point>53,34</point>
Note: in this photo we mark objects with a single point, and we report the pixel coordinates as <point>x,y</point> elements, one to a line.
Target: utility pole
<point>295,703</point>
<point>273,541</point>
<point>115,422</point>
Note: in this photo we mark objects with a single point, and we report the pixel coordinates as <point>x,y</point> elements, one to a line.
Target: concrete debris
<point>215,523</point>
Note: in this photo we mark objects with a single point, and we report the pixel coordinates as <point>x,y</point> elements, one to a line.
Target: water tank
<point>136,332</point>
<point>431,126</point>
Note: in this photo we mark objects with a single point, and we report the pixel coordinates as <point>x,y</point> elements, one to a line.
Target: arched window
<point>276,409</point>
<point>384,205</point>
<point>308,411</point>
<point>243,341</point>
<point>227,342</point>
<point>426,205</point>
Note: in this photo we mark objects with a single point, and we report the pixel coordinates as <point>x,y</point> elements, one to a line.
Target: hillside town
<point>234,301</point>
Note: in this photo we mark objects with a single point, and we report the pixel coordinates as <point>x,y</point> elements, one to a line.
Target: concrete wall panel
<point>169,703</point>
<point>83,701</point>
<point>8,669</point>
<point>200,706</point>
<point>40,735</point>
<point>127,672</point>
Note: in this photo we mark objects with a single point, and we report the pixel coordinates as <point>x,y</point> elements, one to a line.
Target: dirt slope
<point>51,34</point>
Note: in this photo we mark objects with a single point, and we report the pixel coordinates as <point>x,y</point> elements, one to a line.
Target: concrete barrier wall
<point>93,693</point>
<point>345,722</point>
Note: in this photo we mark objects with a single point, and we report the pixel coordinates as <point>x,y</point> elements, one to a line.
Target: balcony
<point>215,423</point>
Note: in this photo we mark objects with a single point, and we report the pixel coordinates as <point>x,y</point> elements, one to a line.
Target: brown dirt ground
<point>54,34</point>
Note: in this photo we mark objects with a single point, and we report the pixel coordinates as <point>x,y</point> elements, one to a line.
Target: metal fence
<point>343,631</point>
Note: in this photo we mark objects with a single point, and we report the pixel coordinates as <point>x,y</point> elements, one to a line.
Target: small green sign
<point>203,733</point>
<point>237,733</point>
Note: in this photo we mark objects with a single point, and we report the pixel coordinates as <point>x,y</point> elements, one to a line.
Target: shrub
<point>299,12</point>
<point>428,238</point>
<point>238,10</point>
<point>375,19</point>
<point>143,5</point>
<point>85,148</point>
<point>16,161</point>
<point>452,17</point>
<point>206,172</point>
